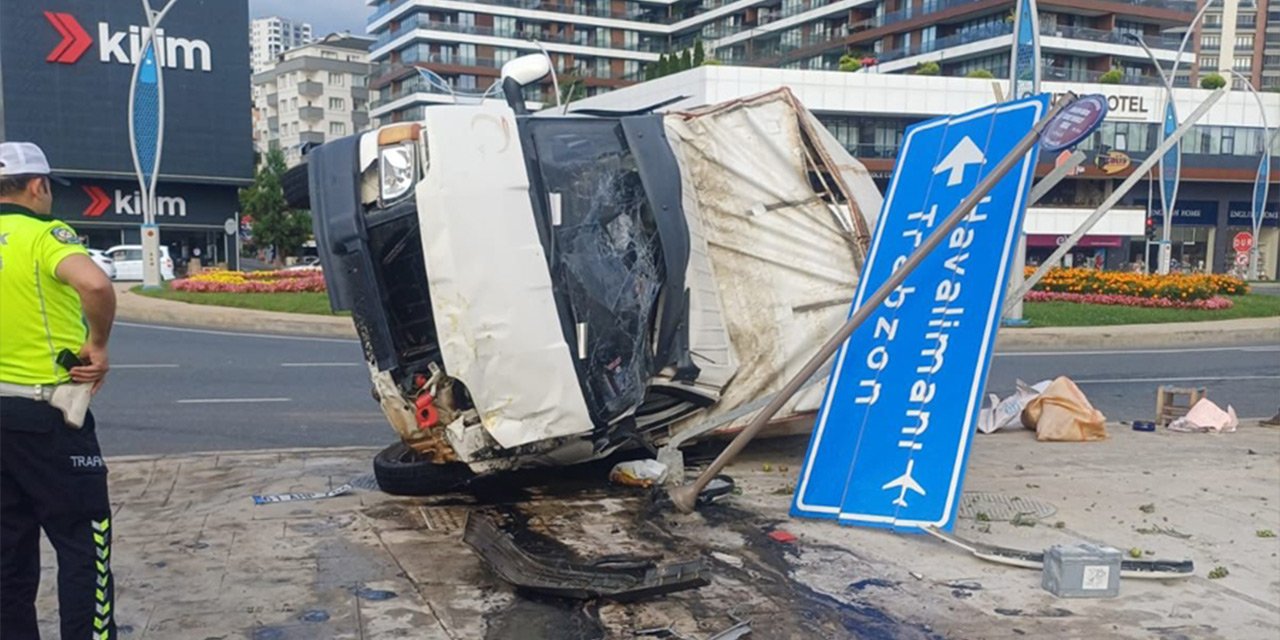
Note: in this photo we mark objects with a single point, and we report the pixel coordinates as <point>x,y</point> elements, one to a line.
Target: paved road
<point>179,390</point>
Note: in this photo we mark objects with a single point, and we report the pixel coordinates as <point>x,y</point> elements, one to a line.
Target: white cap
<point>23,158</point>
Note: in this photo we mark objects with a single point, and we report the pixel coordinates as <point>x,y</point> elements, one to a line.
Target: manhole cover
<point>1001,507</point>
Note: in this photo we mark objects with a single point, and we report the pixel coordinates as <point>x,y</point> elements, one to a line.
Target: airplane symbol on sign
<point>906,483</point>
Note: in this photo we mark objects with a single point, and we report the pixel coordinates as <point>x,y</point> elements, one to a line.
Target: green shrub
<point>979,73</point>
<point>849,63</point>
<point>1213,81</point>
<point>929,68</point>
<point>1114,76</point>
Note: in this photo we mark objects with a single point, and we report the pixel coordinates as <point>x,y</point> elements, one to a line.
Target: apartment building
<point>869,114</point>
<point>604,44</point>
<point>1241,36</point>
<point>311,94</point>
<point>270,37</point>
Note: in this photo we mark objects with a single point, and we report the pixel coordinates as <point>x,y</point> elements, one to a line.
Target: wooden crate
<point>1169,405</point>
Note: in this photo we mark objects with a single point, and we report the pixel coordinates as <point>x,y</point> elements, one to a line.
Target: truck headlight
<point>397,171</point>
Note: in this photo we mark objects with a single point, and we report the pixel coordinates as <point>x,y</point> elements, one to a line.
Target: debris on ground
<point>1145,569</point>
<point>1205,416</point>
<point>1144,425</point>
<point>733,561</point>
<point>1062,413</point>
<point>1024,520</point>
<point>294,497</point>
<point>638,473</point>
<point>739,630</point>
<point>1148,508</point>
<point>1156,529</point>
<point>616,578</point>
<point>1007,413</point>
<point>1082,571</point>
<point>1218,573</point>
<point>782,537</point>
<point>1266,533</point>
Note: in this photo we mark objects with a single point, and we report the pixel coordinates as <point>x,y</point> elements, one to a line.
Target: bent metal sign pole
<point>146,136</point>
<point>951,171</point>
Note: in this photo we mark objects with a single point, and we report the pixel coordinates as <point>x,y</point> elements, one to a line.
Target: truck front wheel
<point>401,471</point>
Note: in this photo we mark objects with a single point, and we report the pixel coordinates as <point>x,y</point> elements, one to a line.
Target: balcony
<point>273,99</point>
<point>582,39</point>
<point>310,89</point>
<point>557,7</point>
<point>311,137</point>
<point>311,114</point>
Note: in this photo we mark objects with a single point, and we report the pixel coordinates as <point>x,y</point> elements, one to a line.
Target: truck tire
<point>401,471</point>
<point>296,187</point>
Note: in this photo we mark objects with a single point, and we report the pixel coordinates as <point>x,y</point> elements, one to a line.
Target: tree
<point>1114,76</point>
<point>929,68</point>
<point>274,224</point>
<point>1213,81</point>
<point>979,73</point>
<point>686,60</point>
<point>849,63</point>
<point>651,71</point>
<point>664,65</point>
<point>699,54</point>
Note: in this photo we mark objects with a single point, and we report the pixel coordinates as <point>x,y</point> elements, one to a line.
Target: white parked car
<point>105,263</point>
<point>128,262</point>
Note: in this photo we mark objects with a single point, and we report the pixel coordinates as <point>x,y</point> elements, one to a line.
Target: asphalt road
<point>180,390</point>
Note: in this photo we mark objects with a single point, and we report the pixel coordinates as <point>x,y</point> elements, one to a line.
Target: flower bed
<point>1209,304</point>
<point>295,281</point>
<point>1172,287</point>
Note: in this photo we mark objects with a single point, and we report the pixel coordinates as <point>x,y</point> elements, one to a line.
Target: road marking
<point>319,364</point>
<point>144,366</point>
<point>1194,379</point>
<point>235,334</point>
<point>1023,354</point>
<point>232,400</point>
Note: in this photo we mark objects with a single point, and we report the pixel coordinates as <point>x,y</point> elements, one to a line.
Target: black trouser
<point>53,477</point>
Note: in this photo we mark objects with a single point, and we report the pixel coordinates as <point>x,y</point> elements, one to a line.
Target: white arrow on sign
<point>964,154</point>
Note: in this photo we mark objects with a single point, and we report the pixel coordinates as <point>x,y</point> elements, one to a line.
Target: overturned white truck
<point>549,288</point>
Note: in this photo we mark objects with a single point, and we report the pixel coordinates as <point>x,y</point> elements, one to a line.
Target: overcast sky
<point>325,16</point>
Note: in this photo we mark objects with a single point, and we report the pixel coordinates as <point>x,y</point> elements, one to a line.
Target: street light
<point>146,135</point>
<point>1171,163</point>
<point>1262,182</point>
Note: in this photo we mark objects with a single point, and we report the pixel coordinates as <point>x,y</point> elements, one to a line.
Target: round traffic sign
<point>230,226</point>
<point>1243,242</point>
<point>1242,259</point>
<point>1074,123</point>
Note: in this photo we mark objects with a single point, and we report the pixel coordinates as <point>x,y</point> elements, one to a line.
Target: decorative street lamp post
<point>146,133</point>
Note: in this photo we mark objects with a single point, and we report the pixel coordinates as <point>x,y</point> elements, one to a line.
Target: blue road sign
<point>892,438</point>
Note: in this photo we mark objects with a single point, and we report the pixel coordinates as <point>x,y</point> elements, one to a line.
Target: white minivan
<point>545,289</point>
<point>128,261</point>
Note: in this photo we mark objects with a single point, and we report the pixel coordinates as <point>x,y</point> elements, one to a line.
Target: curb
<point>131,307</point>
<point>1144,336</point>
<point>135,308</point>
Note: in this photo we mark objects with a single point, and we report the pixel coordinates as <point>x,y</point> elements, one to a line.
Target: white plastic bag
<point>638,473</point>
<point>1008,412</point>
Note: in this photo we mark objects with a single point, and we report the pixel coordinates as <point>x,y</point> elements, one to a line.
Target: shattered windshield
<point>605,256</point>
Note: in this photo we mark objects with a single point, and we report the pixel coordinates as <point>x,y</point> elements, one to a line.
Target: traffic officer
<point>56,311</point>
